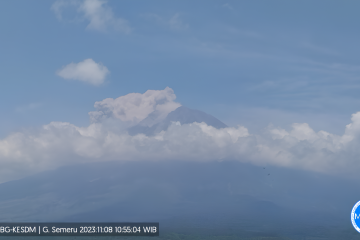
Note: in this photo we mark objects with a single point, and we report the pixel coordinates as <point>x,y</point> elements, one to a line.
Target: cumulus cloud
<point>99,15</point>
<point>86,71</point>
<point>61,143</point>
<point>135,107</point>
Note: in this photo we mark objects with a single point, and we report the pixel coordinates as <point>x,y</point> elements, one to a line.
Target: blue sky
<point>252,63</point>
<point>227,58</point>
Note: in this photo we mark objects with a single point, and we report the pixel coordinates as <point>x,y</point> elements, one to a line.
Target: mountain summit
<point>182,114</point>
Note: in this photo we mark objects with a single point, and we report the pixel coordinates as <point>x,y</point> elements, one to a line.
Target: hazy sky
<point>248,63</point>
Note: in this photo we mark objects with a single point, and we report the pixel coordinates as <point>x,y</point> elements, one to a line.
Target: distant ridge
<point>182,114</point>
<point>215,195</point>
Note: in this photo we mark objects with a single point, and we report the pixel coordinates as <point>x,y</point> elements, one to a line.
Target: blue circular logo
<point>355,216</point>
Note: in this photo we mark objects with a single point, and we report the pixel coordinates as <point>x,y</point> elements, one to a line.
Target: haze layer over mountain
<point>213,195</point>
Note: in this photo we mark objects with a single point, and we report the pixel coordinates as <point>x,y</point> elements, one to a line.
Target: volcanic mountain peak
<point>182,114</point>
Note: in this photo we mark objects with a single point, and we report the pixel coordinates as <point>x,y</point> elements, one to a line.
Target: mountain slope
<point>182,114</point>
<point>231,192</point>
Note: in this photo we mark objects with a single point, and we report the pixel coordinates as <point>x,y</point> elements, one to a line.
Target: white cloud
<point>99,15</point>
<point>58,7</point>
<point>135,107</point>
<point>61,143</point>
<point>87,71</point>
